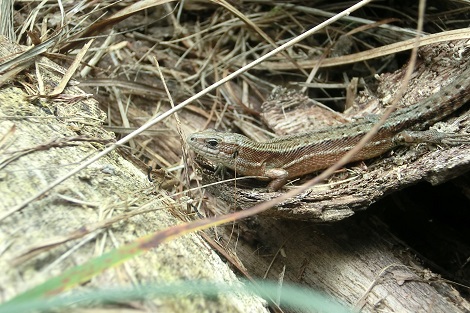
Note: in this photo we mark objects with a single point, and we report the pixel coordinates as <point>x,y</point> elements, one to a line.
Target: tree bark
<point>354,190</point>
<point>355,259</point>
<point>42,139</point>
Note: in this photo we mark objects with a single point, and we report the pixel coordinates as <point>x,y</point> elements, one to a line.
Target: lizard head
<point>219,147</point>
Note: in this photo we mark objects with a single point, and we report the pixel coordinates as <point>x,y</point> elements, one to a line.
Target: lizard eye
<point>212,142</point>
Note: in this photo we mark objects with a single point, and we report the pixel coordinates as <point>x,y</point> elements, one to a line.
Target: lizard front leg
<point>279,178</point>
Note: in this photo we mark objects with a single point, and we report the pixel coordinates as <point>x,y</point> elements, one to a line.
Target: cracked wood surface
<point>359,184</point>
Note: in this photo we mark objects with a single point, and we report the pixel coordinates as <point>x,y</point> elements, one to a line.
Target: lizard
<point>280,159</point>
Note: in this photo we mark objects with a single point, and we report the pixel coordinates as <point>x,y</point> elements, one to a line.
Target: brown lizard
<point>286,157</point>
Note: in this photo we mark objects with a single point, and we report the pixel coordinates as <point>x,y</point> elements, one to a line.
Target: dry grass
<point>200,42</point>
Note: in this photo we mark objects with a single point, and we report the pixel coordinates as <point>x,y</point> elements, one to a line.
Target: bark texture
<point>360,185</point>
<point>42,139</point>
<point>355,259</point>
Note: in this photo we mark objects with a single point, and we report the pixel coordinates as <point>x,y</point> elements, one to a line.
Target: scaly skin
<point>291,156</point>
